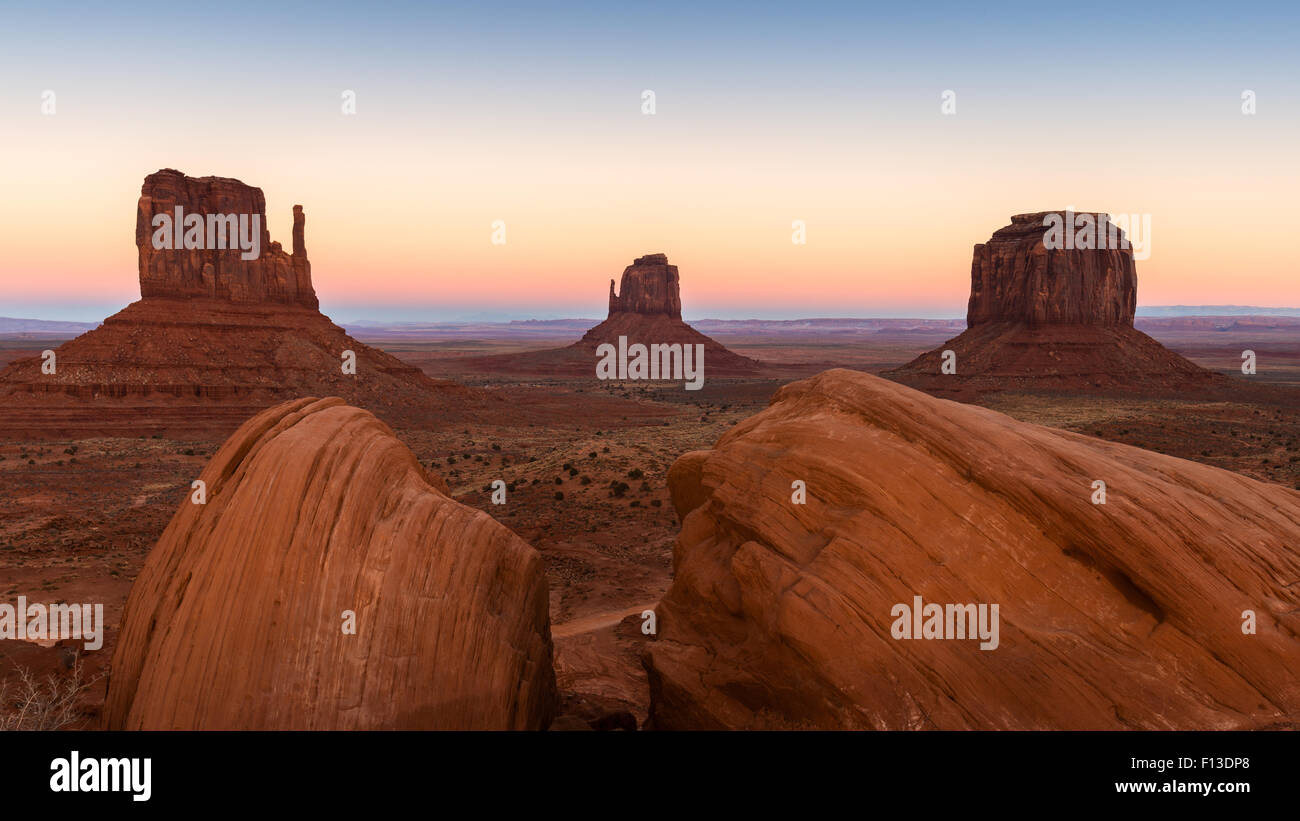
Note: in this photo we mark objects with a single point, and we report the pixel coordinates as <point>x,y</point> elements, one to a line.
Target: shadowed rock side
<point>213,339</point>
<point>1055,319</point>
<point>1122,615</point>
<point>315,508</point>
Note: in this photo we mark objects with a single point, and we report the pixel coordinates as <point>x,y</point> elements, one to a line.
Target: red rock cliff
<point>274,276</point>
<point>1015,278</point>
<point>650,286</point>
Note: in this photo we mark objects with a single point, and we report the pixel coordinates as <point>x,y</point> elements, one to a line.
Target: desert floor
<point>78,517</point>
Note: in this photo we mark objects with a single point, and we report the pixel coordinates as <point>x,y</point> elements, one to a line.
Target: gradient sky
<point>826,113</point>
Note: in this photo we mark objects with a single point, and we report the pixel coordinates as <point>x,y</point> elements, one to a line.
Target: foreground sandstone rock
<point>1126,614</point>
<point>315,508</point>
<point>213,339</point>
<point>1054,318</point>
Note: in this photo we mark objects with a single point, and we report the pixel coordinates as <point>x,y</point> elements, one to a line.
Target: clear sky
<point>765,114</point>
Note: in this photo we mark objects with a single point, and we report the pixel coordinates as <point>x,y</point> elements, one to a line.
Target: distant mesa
<point>214,337</point>
<point>1057,318</point>
<point>646,309</point>
<point>329,582</point>
<point>1122,615</point>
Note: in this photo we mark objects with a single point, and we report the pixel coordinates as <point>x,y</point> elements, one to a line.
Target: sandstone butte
<point>315,508</point>
<point>1126,614</point>
<point>213,339</point>
<point>1053,318</point>
<point>647,309</point>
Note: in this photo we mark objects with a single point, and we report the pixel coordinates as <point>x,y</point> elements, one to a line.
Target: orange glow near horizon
<point>890,226</point>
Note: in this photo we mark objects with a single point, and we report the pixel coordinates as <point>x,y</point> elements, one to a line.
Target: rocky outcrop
<point>315,511</point>
<point>1045,316</point>
<point>211,271</point>
<point>1016,277</point>
<point>1127,614</point>
<point>646,311</point>
<point>213,339</point>
<point>650,286</point>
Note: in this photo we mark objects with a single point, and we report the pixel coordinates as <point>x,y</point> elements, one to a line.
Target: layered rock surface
<point>213,339</point>
<point>1054,318</point>
<point>1126,614</point>
<point>315,508</point>
<point>1015,277</point>
<point>274,276</point>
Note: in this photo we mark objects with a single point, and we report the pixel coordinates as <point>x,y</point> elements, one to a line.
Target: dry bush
<point>50,704</point>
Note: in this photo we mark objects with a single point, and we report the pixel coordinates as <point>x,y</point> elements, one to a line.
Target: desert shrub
<point>53,703</point>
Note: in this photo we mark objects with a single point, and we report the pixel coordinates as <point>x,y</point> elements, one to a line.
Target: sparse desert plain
<point>586,463</point>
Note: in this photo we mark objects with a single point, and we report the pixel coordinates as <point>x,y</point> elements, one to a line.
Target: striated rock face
<point>1126,614</point>
<point>315,508</point>
<point>650,286</point>
<point>1016,278</point>
<point>273,276</point>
